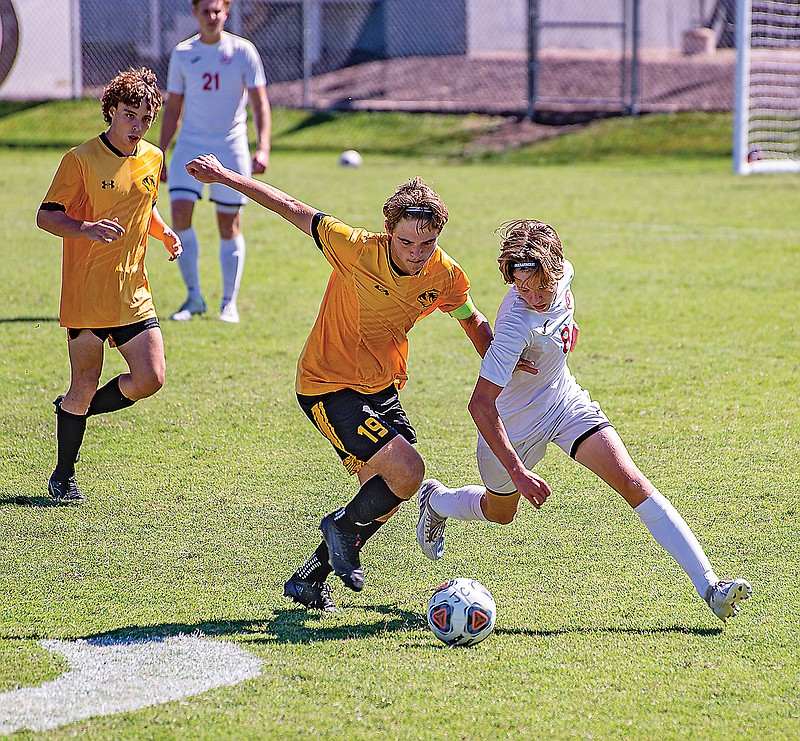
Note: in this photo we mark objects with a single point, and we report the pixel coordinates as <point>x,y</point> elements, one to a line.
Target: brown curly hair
<point>533,245</point>
<point>134,87</point>
<point>416,200</point>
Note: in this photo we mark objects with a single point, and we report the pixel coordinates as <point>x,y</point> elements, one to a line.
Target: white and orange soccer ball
<point>461,612</point>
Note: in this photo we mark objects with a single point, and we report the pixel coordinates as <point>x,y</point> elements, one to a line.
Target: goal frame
<point>743,163</point>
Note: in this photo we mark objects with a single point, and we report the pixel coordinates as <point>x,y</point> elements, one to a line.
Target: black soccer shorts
<point>116,336</point>
<point>358,425</point>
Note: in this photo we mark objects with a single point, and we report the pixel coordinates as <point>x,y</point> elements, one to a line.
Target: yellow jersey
<point>359,340</point>
<point>105,284</point>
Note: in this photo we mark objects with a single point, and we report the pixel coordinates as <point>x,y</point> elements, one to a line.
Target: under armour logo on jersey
<point>108,184</point>
<point>149,183</point>
<point>380,288</point>
<point>426,299</point>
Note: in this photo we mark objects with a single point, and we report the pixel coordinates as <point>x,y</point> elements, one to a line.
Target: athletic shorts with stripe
<point>567,424</point>
<point>358,425</point>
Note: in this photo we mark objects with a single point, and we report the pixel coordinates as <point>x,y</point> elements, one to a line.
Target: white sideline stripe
<point>115,676</point>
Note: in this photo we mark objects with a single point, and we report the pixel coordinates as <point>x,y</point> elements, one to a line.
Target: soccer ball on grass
<point>461,612</point>
<point>350,158</point>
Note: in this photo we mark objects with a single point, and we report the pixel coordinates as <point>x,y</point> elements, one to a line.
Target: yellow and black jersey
<point>359,339</point>
<point>105,285</point>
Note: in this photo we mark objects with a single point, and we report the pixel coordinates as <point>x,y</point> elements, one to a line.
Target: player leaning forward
<point>354,360</point>
<point>102,203</point>
<point>518,411</point>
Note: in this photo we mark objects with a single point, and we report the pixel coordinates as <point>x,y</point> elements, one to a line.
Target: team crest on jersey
<point>225,57</point>
<point>149,183</point>
<point>427,299</point>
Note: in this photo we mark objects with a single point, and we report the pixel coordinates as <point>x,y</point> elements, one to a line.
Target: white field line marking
<point>115,676</point>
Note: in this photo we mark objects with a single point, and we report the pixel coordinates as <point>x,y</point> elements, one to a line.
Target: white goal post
<point>766,126</point>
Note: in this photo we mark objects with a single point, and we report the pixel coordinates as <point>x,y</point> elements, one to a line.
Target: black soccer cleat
<point>311,594</point>
<point>343,553</point>
<point>64,490</point>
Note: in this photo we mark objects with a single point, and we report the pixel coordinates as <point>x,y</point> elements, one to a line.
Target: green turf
<point>203,499</point>
<point>62,124</point>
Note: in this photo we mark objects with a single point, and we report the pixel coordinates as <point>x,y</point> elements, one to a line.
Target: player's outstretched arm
<point>208,169</point>
<point>483,408</point>
<point>61,225</point>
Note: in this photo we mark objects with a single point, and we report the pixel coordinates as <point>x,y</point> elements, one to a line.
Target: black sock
<point>373,500</point>
<point>69,434</point>
<point>317,567</point>
<point>108,399</point>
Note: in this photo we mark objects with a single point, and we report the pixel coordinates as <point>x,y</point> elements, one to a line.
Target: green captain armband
<point>465,311</point>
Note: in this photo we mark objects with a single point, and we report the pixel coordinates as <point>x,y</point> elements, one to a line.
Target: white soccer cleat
<point>188,310</point>
<point>430,526</point>
<point>229,313</point>
<point>724,597</point>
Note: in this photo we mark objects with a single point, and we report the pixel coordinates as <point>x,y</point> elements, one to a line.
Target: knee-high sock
<point>460,504</point>
<point>189,263</point>
<point>69,435</point>
<point>109,398</point>
<point>673,534</point>
<point>373,500</point>
<point>231,259</point>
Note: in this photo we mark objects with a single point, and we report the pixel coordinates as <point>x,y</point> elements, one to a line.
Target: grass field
<point>203,499</point>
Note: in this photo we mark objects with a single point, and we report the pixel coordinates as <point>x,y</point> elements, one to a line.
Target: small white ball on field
<point>351,158</point>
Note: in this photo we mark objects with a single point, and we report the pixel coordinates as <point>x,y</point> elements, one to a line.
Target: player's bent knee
<point>148,385</point>
<point>501,509</point>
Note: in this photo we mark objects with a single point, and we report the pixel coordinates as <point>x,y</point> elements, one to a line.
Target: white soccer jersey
<point>545,340</point>
<point>214,80</point>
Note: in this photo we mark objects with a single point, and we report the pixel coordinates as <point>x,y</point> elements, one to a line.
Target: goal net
<point>767,102</point>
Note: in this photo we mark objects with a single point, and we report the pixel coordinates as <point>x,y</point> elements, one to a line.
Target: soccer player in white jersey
<point>526,397</point>
<point>211,77</point>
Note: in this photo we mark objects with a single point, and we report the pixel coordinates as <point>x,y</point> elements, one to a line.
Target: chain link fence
<point>513,57</point>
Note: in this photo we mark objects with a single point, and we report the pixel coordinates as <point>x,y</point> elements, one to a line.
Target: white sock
<point>231,258</point>
<point>460,504</point>
<point>188,263</point>
<point>676,538</point>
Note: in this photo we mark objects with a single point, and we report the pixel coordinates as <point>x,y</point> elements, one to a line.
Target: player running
<point>519,410</point>
<point>212,77</point>
<point>102,202</point>
<point>354,360</point>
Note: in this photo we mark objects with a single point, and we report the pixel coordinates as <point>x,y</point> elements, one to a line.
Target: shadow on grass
<point>26,500</point>
<point>295,626</point>
<point>299,627</point>
<point>21,319</point>
<point>683,629</point>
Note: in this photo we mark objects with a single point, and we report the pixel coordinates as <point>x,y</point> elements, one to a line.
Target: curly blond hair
<point>416,200</point>
<point>529,244</point>
<point>134,87</point>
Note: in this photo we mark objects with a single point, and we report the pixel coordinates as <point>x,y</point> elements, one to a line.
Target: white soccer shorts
<point>233,154</point>
<point>568,423</point>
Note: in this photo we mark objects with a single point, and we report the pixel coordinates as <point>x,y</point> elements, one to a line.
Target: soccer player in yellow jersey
<point>354,361</point>
<point>102,203</point>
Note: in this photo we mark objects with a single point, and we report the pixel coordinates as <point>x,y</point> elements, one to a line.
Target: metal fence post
<point>76,50</point>
<point>307,69</point>
<point>533,55</point>
<point>636,102</point>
